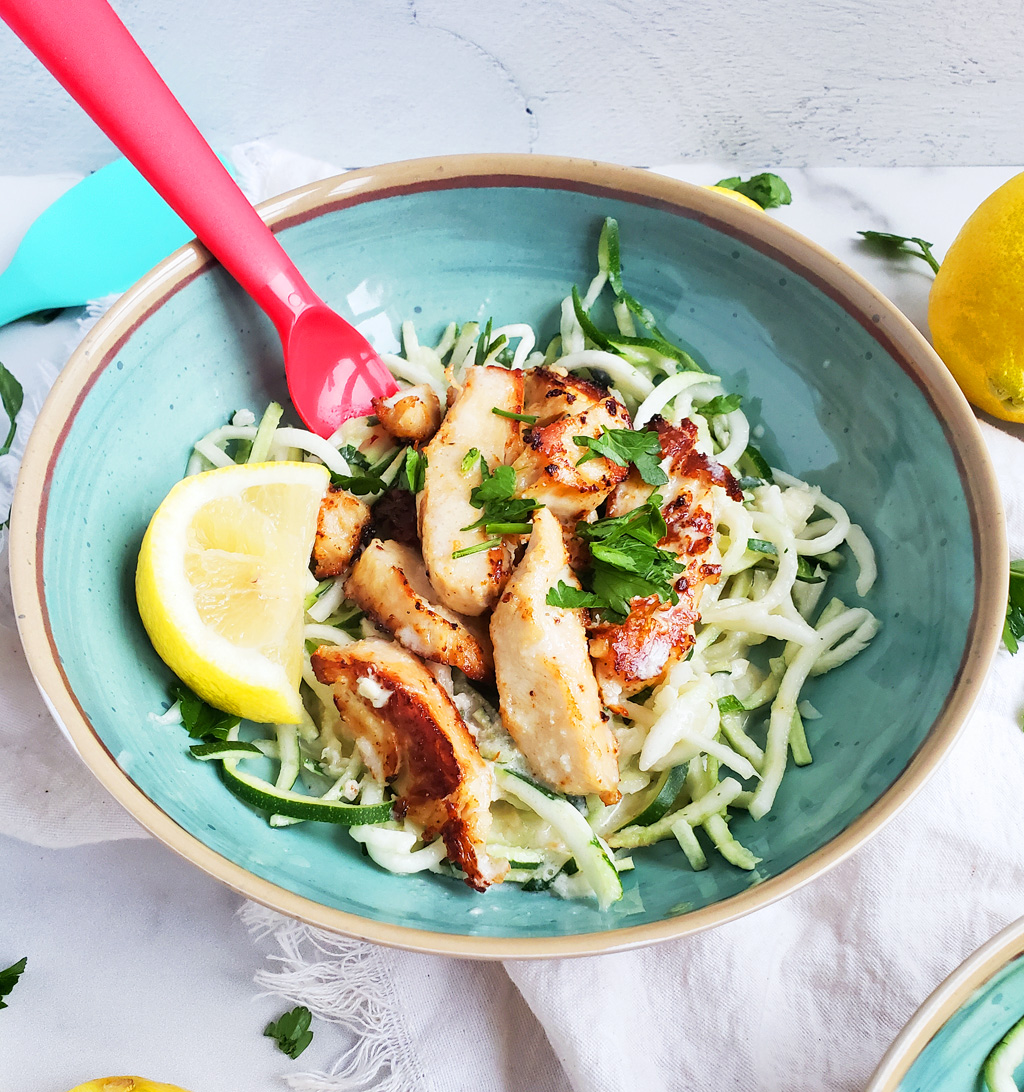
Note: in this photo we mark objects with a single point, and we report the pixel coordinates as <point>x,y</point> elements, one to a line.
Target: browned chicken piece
<point>409,732</point>
<point>389,582</point>
<point>548,695</point>
<point>468,584</point>
<point>412,414</point>
<point>547,471</point>
<point>639,652</point>
<point>338,527</point>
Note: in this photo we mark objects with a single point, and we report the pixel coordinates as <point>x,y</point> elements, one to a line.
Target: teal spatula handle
<point>89,50</point>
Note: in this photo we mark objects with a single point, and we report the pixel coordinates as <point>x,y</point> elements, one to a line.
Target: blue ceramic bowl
<point>848,395</point>
<point>946,1042</point>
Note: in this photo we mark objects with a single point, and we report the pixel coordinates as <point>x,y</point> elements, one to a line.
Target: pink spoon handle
<point>90,51</point>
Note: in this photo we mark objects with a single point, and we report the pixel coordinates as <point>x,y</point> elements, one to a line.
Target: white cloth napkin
<point>803,995</point>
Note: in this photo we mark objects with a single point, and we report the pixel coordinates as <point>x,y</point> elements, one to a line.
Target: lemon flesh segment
<point>125,1084</point>
<point>221,580</point>
<point>742,198</point>
<point>976,305</point>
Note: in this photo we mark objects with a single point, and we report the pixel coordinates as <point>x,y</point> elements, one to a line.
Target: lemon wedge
<point>220,584</point>
<point>125,1084</point>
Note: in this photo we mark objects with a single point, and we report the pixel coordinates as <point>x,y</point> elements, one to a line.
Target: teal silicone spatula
<point>97,238</point>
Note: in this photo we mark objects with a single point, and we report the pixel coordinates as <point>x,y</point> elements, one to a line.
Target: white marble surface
<point>136,961</point>
<point>790,82</point>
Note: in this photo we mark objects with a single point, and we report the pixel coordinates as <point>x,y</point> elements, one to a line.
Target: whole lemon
<point>976,306</point>
<point>742,198</point>
<point>125,1084</point>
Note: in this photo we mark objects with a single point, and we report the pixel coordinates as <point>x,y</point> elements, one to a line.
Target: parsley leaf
<point>768,190</point>
<point>624,446</point>
<point>503,512</point>
<point>1013,629</point>
<point>626,562</point>
<point>12,397</point>
<point>565,595</point>
<point>894,245</point>
<point>723,403</point>
<point>202,721</point>
<point>9,978</point>
<point>291,1031</point>
<point>469,460</point>
<point>368,479</point>
<point>805,570</point>
<point>354,457</point>
<point>415,470</point>
<point>730,704</point>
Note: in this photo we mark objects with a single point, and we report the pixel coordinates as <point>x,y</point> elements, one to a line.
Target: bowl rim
<point>943,1003</point>
<point>894,332</point>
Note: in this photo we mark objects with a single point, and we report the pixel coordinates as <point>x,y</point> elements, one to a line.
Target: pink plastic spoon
<point>333,371</point>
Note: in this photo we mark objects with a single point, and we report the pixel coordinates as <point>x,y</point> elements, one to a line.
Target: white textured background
<point>755,82</point>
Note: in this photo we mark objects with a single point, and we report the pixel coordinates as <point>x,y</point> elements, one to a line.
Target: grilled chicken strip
<point>567,406</point>
<point>638,652</point>
<point>408,731</point>
<point>389,582</point>
<point>548,695</point>
<point>338,527</point>
<point>470,584</point>
<point>412,414</point>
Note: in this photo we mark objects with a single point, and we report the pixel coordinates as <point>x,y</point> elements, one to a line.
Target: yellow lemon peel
<point>976,306</point>
<point>736,196</point>
<point>125,1084</point>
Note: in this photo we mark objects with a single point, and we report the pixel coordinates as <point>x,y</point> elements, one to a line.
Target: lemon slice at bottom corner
<point>221,579</point>
<point>125,1084</point>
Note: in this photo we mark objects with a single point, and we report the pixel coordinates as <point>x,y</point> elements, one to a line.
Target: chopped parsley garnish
<point>201,720</point>
<point>368,479</point>
<point>804,568</point>
<point>766,190</point>
<point>485,347</point>
<point>291,1031</point>
<point>723,403</point>
<point>624,446</point>
<point>1013,629</point>
<point>479,548</point>
<point>731,704</point>
<point>626,562</point>
<point>415,470</point>
<point>9,978</point>
<point>354,457</point>
<point>565,595</point>
<point>504,512</point>
<point>469,460</point>
<point>526,418</point>
<point>893,246</point>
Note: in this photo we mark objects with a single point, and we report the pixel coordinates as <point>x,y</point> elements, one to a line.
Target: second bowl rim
<point>943,1003</point>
